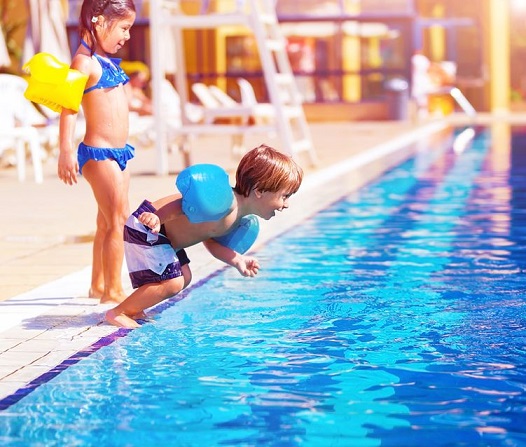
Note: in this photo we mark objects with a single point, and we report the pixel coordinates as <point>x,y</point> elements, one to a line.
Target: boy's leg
<point>142,298</point>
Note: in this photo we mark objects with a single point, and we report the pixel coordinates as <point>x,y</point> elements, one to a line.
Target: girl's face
<point>112,37</point>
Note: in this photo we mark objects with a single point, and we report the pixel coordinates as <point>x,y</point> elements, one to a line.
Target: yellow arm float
<point>53,84</point>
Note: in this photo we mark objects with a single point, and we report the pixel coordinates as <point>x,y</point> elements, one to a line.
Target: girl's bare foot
<point>113,296</point>
<point>95,293</point>
<point>117,297</point>
<point>121,320</point>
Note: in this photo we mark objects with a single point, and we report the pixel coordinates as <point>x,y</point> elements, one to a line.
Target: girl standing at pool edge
<point>104,27</point>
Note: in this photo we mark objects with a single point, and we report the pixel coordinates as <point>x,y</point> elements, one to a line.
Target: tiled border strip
<point>107,340</point>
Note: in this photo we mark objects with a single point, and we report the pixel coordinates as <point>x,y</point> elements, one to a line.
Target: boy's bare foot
<point>140,316</point>
<point>121,320</point>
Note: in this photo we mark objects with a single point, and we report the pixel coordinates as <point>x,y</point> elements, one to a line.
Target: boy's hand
<point>247,266</point>
<point>151,220</point>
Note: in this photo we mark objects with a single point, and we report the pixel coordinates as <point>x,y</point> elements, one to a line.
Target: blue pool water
<point>394,317</point>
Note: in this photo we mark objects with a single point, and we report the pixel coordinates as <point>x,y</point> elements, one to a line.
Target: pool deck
<point>45,251</point>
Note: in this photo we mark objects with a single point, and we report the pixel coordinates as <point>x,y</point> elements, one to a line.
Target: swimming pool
<point>395,316</point>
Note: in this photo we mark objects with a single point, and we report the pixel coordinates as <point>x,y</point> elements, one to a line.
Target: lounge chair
<point>22,125</point>
<point>261,112</point>
<point>219,107</point>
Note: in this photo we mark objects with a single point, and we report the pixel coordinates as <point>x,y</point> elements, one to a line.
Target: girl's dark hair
<point>266,169</point>
<point>112,10</point>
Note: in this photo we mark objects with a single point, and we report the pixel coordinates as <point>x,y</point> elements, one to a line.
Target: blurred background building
<point>344,53</point>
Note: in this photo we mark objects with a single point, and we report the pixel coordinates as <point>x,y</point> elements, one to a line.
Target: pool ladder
<point>258,17</point>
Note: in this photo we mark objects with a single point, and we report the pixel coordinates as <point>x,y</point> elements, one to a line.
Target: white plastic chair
<point>142,127</point>
<point>223,97</point>
<point>171,103</point>
<point>219,105</point>
<point>261,111</point>
<point>17,117</point>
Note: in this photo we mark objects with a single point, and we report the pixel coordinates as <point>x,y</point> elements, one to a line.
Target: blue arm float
<point>53,84</point>
<point>242,237</point>
<point>207,194</point>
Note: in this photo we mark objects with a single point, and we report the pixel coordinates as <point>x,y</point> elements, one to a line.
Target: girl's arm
<point>68,166</point>
<point>246,265</point>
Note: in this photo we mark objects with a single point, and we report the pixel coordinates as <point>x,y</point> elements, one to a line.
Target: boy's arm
<point>246,265</point>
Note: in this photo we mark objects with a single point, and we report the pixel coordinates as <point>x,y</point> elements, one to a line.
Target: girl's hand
<point>68,168</point>
<point>151,220</point>
<point>247,266</point>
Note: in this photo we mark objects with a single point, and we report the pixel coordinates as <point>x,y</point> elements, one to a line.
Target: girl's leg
<point>97,267</point>
<point>142,298</point>
<point>110,187</point>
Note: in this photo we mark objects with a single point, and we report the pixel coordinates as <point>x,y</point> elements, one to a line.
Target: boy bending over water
<point>158,232</point>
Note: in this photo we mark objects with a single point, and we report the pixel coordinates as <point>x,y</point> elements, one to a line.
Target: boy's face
<point>270,202</point>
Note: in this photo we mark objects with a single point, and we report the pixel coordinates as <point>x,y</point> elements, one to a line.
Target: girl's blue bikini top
<point>112,73</point>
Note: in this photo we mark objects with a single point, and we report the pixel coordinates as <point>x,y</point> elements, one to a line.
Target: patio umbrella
<point>46,30</point>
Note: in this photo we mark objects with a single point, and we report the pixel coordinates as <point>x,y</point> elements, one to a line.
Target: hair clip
<point>94,19</point>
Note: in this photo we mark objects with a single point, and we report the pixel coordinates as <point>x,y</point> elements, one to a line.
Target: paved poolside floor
<point>47,230</point>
